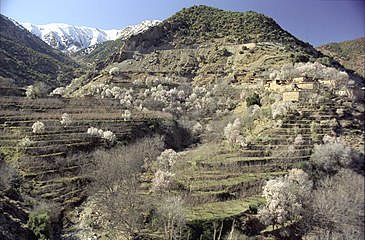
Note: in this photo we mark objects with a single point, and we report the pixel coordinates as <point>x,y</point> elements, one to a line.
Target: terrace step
<point>222,210</point>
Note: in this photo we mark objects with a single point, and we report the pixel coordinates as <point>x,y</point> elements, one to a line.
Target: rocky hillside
<point>203,38</point>
<point>24,58</point>
<point>351,54</point>
<point>203,25</point>
<point>68,38</point>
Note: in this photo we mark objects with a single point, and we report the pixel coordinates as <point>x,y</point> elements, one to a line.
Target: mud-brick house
<point>328,82</point>
<point>277,85</point>
<point>294,96</point>
<point>262,83</point>
<point>305,83</point>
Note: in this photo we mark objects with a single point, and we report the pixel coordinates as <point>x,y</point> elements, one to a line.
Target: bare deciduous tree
<point>172,215</point>
<point>117,183</point>
<point>338,207</point>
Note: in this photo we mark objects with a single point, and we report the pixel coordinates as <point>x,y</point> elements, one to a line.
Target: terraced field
<point>220,183</point>
<point>224,183</point>
<point>50,165</point>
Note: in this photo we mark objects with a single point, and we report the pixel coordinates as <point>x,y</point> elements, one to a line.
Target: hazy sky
<point>313,21</point>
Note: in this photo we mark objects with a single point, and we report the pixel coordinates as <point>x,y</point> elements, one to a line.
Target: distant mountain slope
<point>351,54</point>
<point>68,38</point>
<point>24,58</point>
<point>203,25</point>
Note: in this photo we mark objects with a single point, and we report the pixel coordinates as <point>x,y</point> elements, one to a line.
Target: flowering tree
<point>163,176</point>
<point>280,109</point>
<point>299,140</point>
<point>65,120</point>
<point>232,132</point>
<point>93,131</point>
<point>285,197</point>
<point>331,156</point>
<point>23,143</point>
<point>30,92</point>
<point>162,180</point>
<point>126,115</point>
<point>167,159</point>
<point>58,91</point>
<point>108,136</point>
<point>114,71</point>
<point>38,127</point>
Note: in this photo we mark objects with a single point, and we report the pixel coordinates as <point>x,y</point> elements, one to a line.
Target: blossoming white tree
<point>65,120</point>
<point>167,159</point>
<point>162,180</point>
<point>108,136</point>
<point>280,109</point>
<point>232,132</point>
<point>23,143</point>
<point>38,127</point>
<point>114,71</point>
<point>331,156</point>
<point>285,197</point>
<point>126,115</point>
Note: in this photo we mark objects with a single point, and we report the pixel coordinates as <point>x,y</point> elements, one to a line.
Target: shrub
<point>254,99</point>
<point>40,224</point>
<point>38,127</point>
<point>338,206</point>
<point>172,215</point>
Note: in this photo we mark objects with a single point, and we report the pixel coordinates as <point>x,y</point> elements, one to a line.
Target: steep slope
<point>351,54</point>
<point>25,58</point>
<point>68,38</point>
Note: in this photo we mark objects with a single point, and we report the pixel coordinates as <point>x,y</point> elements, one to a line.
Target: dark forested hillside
<point>24,58</point>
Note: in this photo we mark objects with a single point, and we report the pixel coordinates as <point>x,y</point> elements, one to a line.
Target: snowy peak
<point>68,38</point>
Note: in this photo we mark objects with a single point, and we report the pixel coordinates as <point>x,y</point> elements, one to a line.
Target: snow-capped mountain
<point>68,38</point>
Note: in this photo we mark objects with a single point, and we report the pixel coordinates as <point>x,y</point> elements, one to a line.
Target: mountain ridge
<point>350,53</point>
<point>25,59</point>
<point>205,25</point>
<point>70,38</point>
